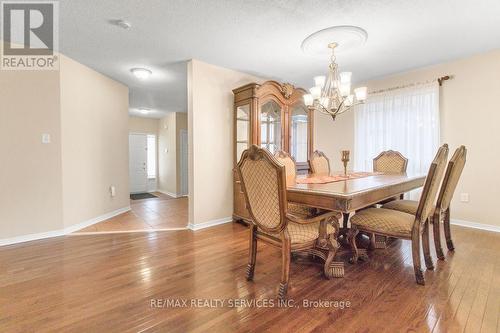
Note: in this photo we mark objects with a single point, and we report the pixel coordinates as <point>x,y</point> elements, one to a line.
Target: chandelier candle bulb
<point>315,92</point>
<point>345,89</point>
<point>361,93</point>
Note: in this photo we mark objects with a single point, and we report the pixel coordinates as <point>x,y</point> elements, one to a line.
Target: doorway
<point>138,162</point>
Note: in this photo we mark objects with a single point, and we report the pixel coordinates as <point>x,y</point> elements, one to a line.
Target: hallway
<point>161,213</point>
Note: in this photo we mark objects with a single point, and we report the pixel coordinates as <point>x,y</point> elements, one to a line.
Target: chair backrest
<point>319,163</point>
<point>264,185</point>
<point>390,161</point>
<point>289,163</point>
<point>431,185</point>
<point>451,178</point>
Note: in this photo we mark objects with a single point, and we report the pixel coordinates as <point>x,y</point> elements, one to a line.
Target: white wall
<point>210,127</point>
<point>470,115</point>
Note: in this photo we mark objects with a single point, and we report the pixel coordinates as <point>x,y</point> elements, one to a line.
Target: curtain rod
<point>440,80</point>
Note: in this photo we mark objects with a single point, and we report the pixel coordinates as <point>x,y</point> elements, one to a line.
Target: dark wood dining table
<point>347,196</point>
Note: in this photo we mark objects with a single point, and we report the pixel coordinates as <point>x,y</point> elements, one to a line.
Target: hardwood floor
<point>105,283</point>
<point>163,212</point>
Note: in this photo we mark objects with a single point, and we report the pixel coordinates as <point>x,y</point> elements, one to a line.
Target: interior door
<point>138,171</point>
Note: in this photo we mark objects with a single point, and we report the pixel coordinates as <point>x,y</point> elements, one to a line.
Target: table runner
<point>333,178</point>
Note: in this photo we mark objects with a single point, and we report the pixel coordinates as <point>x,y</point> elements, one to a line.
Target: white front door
<point>138,154</point>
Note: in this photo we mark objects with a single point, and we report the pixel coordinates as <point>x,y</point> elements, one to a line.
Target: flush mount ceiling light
<point>346,37</point>
<point>144,110</point>
<point>141,73</point>
<point>121,23</point>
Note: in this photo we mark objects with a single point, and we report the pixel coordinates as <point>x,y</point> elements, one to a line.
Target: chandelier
<point>331,95</point>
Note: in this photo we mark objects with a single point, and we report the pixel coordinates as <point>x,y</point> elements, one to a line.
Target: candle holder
<point>345,159</point>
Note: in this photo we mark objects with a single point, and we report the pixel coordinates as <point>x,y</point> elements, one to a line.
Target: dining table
<point>348,193</point>
<point>352,192</point>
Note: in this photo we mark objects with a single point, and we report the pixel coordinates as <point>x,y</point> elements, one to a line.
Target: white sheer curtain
<point>405,120</point>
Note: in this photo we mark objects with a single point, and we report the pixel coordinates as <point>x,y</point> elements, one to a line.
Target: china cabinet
<point>273,116</point>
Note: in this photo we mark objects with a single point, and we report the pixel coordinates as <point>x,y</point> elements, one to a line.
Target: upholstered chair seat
<point>304,233</point>
<point>386,221</point>
<point>406,206</point>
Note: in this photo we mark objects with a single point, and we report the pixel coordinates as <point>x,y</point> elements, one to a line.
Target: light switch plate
<point>464,197</point>
<point>45,138</point>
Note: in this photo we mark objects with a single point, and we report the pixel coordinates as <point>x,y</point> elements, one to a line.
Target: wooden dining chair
<point>442,209</point>
<point>390,161</point>
<point>263,182</point>
<point>393,223</point>
<point>319,163</point>
<point>291,173</point>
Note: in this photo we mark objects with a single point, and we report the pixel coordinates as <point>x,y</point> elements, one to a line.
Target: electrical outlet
<point>464,197</point>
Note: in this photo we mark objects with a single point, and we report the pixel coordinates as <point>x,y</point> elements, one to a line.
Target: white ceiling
<point>263,37</point>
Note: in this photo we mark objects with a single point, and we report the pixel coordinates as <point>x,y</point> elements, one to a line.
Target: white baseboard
<point>62,232</point>
<point>95,220</point>
<point>173,195</point>
<point>474,225</point>
<point>199,226</point>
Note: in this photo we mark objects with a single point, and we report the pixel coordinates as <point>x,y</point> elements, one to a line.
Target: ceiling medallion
<point>347,38</point>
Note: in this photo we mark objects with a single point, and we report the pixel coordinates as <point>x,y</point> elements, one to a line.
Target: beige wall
<point>167,154</point>
<point>180,124</point>
<point>30,172</point>
<point>143,125</point>
<point>470,115</point>
<point>210,122</point>
<point>94,123</point>
<point>331,137</point>
<point>49,187</point>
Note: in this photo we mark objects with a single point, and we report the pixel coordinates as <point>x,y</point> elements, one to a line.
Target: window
<point>405,120</point>
<point>151,156</point>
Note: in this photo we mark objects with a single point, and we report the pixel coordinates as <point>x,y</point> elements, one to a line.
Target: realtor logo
<point>30,35</point>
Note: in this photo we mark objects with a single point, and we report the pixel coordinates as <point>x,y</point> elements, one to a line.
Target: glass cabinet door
<point>270,126</point>
<point>299,133</point>
<point>242,129</point>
